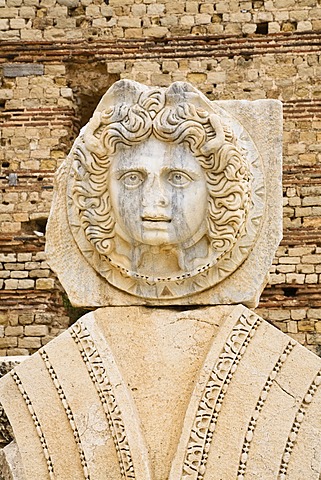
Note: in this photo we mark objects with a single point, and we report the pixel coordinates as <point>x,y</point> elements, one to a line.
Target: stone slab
<point>22,69</point>
<point>209,240</point>
<point>214,393</point>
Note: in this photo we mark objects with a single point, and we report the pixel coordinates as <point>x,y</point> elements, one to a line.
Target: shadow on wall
<point>89,83</point>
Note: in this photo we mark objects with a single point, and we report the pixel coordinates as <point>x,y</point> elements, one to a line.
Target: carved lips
<point>159,221</point>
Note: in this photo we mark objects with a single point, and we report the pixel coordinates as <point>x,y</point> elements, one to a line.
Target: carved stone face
<point>158,194</point>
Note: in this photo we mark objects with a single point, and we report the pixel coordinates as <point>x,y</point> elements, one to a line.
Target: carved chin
<point>160,259</point>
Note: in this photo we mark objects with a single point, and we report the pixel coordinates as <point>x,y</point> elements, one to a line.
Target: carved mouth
<point>157,219</point>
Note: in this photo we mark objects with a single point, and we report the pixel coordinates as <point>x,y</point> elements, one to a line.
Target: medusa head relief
<point>163,199</point>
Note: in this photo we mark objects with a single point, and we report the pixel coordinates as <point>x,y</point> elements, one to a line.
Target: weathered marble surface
<point>168,198</point>
<point>214,393</point>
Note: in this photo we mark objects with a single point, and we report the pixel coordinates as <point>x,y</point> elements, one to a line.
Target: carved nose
<point>159,200</point>
<point>163,202</point>
<point>154,195</point>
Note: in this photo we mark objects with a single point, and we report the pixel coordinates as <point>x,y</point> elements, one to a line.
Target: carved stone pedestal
<point>153,394</point>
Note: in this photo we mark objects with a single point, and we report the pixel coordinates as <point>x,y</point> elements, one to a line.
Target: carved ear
<point>213,145</point>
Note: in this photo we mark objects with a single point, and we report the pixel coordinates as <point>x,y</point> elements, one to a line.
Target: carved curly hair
<point>178,115</point>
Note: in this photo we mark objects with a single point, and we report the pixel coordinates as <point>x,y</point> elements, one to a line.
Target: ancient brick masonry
<point>59,57</point>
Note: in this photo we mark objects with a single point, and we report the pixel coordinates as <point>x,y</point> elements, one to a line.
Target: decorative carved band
<point>200,440</point>
<point>262,399</point>
<point>299,417</point>
<point>36,422</point>
<point>68,411</point>
<point>98,375</point>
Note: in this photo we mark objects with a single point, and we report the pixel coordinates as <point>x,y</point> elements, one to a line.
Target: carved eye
<point>132,179</point>
<point>179,179</point>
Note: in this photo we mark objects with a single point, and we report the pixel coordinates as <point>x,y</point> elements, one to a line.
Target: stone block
<point>39,273</point>
<point>43,318</point>
<point>66,92</point>
<point>28,343</point>
<point>116,67</point>
<point>45,283</point>
<point>8,12</point>
<point>17,23</point>
<point>19,274</point>
<point>69,3</point>
<point>298,314</point>
<point>139,10</point>
<point>292,327</point>
<point>276,279</point>
<point>24,257</point>
<point>8,257</point>
<point>317,326</point>
<point>274,27</point>
<point>314,313</point>
<point>285,268</point>
<point>297,278</point>
<point>32,265</point>
<point>311,278</point>
<point>169,21</point>
<point>26,318</point>
<point>16,331</point>
<point>56,70</point>
<point>216,77</point>
<point>36,330</point>
<point>290,260</point>
<point>306,326</point>
<point>314,259</point>
<point>21,352</point>
<point>306,268</point>
<point>5,93</point>
<point>31,35</point>
<point>279,315</point>
<point>26,284</point>
<point>156,31</point>
<point>249,28</point>
<point>196,78</point>
<point>4,24</point>
<point>27,12</point>
<point>155,9</point>
<point>268,359</point>
<point>11,284</point>
<point>7,342</point>
<point>187,20</point>
<point>12,318</point>
<point>23,69</point>
<point>314,339</point>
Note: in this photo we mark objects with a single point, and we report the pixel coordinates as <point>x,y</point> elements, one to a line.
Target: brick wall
<point>58,58</point>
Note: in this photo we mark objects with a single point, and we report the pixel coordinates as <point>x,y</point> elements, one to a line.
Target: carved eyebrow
<point>182,169</point>
<point>120,171</point>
